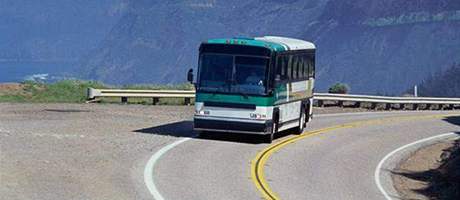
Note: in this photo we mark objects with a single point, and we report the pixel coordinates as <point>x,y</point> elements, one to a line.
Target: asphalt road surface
<point>69,151</point>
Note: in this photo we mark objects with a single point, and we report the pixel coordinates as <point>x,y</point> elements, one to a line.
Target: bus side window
<point>289,67</point>
<point>311,66</point>
<point>279,68</point>
<point>285,67</point>
<point>294,67</point>
<point>313,71</point>
<point>301,67</point>
<point>305,66</point>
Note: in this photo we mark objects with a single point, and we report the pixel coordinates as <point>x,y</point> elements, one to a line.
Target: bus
<point>259,85</point>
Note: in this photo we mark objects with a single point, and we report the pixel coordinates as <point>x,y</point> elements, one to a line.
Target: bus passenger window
<point>295,68</point>
<point>299,67</point>
<point>282,67</point>
<point>279,68</point>
<point>311,66</point>
<point>289,68</point>
<point>305,66</point>
<point>285,67</point>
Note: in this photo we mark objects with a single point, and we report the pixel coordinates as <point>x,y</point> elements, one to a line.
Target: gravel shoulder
<point>431,172</point>
<point>412,175</point>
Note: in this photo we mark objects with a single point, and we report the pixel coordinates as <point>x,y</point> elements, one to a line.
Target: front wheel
<point>270,136</point>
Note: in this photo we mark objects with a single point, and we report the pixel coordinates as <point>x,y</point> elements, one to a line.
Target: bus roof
<point>273,43</point>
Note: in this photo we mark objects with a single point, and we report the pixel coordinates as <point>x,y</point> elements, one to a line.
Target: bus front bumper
<point>232,126</point>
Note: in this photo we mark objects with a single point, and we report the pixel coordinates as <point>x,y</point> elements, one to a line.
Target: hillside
<point>158,42</point>
<point>374,46</point>
<point>445,84</point>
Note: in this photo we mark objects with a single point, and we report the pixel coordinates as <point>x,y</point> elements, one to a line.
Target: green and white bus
<point>259,85</point>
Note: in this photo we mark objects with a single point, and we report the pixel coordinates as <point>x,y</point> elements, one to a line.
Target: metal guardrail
<point>92,94</point>
<point>320,98</point>
<point>388,102</point>
<point>385,99</point>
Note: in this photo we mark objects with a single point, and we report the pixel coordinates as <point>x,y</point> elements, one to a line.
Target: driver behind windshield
<point>254,79</point>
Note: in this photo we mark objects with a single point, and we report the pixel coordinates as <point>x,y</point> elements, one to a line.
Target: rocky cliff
<point>442,84</point>
<point>375,46</point>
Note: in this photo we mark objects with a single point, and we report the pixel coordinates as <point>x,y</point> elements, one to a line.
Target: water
<point>45,71</point>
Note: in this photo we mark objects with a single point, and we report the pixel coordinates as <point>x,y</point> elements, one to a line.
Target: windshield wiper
<point>232,82</point>
<point>218,89</point>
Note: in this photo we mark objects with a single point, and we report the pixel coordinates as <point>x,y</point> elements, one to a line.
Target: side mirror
<point>190,76</point>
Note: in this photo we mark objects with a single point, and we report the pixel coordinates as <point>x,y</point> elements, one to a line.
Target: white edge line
<point>148,171</point>
<point>379,166</point>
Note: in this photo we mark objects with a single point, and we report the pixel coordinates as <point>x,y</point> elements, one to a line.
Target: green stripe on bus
<point>232,98</point>
<point>250,42</point>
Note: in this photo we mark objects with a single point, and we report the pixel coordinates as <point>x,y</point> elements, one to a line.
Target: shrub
<point>339,88</point>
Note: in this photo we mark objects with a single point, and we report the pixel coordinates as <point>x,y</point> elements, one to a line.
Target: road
<point>100,152</point>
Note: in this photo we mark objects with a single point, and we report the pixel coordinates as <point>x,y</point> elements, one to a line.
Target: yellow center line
<point>258,163</point>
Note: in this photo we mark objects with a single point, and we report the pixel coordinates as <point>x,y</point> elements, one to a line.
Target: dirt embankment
<point>432,172</point>
<point>10,87</point>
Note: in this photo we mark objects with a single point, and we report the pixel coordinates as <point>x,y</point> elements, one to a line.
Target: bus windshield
<point>236,74</point>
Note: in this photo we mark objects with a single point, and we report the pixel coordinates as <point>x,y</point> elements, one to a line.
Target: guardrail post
<point>428,106</point>
<point>340,103</point>
<point>450,106</point>
<point>440,107</point>
<point>320,103</point>
<point>415,106</point>
<point>388,106</point>
<point>155,100</point>
<point>187,101</point>
<point>373,106</point>
<point>444,106</point>
<point>124,99</point>
<point>401,106</point>
<point>357,104</point>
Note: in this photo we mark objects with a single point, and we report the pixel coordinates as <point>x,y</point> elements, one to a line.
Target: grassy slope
<point>72,91</point>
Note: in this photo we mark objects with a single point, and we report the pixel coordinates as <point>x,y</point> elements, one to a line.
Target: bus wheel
<point>270,136</point>
<point>302,122</point>
<point>309,113</point>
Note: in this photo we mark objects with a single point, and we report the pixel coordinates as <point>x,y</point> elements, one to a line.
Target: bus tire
<point>309,108</point>
<point>270,136</point>
<point>302,122</point>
